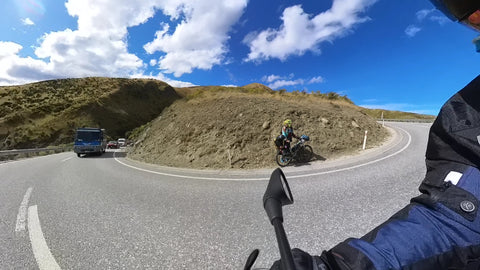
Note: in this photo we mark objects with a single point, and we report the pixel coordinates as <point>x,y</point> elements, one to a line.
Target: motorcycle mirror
<point>251,259</point>
<point>277,195</point>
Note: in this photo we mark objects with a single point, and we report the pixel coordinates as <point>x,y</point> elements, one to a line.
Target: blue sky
<point>379,53</point>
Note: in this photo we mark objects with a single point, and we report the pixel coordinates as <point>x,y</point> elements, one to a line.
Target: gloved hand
<point>303,261</point>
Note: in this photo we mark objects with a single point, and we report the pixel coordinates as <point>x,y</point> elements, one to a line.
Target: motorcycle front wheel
<point>283,160</point>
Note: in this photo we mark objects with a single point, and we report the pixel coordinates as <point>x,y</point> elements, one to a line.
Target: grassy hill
<point>197,127</point>
<point>47,113</point>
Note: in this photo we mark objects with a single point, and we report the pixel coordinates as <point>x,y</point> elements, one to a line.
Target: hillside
<point>47,113</point>
<point>196,127</point>
<point>225,127</point>
<point>193,91</point>
<point>397,115</point>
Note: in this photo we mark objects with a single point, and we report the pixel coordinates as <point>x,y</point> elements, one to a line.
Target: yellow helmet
<point>287,123</point>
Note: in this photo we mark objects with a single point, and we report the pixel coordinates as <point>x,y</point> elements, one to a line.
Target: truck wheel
<point>78,154</point>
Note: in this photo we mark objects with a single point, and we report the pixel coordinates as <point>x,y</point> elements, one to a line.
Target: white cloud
<point>93,19</point>
<point>11,65</point>
<point>9,48</point>
<point>97,48</point>
<point>318,79</point>
<point>301,32</point>
<point>276,81</point>
<point>424,13</point>
<point>27,21</point>
<point>412,30</point>
<point>431,15</point>
<point>281,83</point>
<point>271,78</point>
<point>439,19</point>
<point>199,39</point>
<point>153,62</point>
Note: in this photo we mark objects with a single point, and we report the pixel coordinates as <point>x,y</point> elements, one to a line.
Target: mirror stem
<point>283,245</point>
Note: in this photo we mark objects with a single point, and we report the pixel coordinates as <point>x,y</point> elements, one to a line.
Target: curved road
<point>64,212</point>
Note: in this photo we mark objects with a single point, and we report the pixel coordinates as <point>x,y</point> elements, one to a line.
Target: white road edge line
<point>257,179</point>
<point>22,212</point>
<point>186,176</point>
<point>363,164</point>
<point>63,160</point>
<point>43,256</point>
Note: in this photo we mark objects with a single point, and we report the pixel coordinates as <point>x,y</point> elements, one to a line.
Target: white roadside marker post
<point>365,140</point>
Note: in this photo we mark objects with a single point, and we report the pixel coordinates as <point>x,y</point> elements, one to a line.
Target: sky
<point>379,53</point>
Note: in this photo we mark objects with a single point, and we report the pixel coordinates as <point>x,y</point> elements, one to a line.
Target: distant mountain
<point>396,115</point>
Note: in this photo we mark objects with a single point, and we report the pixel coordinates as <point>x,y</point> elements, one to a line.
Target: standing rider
<point>287,133</point>
<point>440,229</point>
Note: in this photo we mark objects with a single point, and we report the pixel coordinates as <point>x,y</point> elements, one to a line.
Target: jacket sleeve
<point>437,230</point>
<point>440,229</point>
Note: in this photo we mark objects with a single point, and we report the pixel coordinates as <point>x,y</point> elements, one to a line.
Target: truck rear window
<point>88,136</point>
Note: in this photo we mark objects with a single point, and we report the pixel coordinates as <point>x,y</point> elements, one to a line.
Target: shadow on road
<point>315,157</point>
<point>107,154</point>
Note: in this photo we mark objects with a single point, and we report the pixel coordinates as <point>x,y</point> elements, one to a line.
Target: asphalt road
<point>107,212</point>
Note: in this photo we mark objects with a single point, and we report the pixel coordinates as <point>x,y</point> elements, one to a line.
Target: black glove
<point>303,261</point>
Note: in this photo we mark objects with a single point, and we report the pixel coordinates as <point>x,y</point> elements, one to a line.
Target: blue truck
<point>89,141</point>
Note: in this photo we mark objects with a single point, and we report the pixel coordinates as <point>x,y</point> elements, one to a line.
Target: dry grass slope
<point>235,127</point>
<point>197,127</point>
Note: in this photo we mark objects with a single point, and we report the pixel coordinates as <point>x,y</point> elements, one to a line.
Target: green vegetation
<point>48,113</point>
<point>135,134</point>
